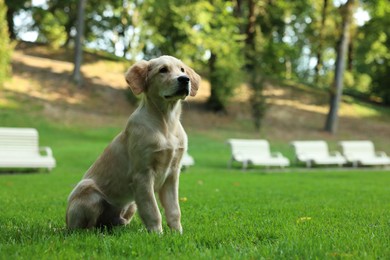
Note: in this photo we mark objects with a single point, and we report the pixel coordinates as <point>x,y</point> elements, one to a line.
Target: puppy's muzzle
<point>184,86</point>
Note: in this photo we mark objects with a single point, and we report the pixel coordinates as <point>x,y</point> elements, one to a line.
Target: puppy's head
<point>165,77</point>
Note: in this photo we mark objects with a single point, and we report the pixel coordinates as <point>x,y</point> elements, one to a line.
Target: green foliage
<point>269,52</point>
<point>358,84</point>
<point>164,36</point>
<point>214,30</point>
<point>51,27</point>
<point>200,33</point>
<point>225,76</point>
<point>209,28</point>
<point>5,46</point>
<point>373,53</point>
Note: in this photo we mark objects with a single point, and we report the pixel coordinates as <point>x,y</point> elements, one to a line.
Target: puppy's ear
<point>195,80</point>
<point>136,76</point>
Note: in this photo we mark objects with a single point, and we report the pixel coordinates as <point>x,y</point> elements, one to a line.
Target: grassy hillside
<point>41,87</point>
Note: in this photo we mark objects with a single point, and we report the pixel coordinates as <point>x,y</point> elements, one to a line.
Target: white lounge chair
<point>19,149</point>
<point>363,153</point>
<point>187,160</point>
<point>316,152</point>
<point>256,152</point>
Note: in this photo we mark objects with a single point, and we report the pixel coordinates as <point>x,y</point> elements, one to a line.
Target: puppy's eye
<point>182,69</point>
<point>163,70</point>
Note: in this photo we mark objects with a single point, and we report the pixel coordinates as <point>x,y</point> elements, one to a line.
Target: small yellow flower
<point>183,199</point>
<point>303,219</point>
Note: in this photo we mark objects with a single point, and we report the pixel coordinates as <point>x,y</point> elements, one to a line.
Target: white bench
<point>363,153</point>
<point>316,152</point>
<point>187,160</point>
<point>256,152</point>
<point>19,149</point>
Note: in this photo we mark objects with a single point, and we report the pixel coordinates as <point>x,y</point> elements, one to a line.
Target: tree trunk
<point>5,47</point>
<point>214,102</point>
<point>257,99</point>
<point>237,11</point>
<point>350,54</point>
<point>250,33</point>
<point>68,28</point>
<point>10,21</point>
<point>77,77</point>
<point>337,88</point>
<point>318,66</point>
<point>255,81</point>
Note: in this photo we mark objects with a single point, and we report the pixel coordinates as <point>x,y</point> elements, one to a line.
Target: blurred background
<point>266,64</point>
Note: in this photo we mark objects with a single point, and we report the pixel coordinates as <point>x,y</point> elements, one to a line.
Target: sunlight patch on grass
<point>8,103</point>
<point>301,106</point>
<point>354,109</point>
<point>243,93</point>
<point>39,62</point>
<point>357,110</point>
<point>34,90</point>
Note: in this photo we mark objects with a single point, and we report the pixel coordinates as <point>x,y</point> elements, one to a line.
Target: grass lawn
<point>226,213</point>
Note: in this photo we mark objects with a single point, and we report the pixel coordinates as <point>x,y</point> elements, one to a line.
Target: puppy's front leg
<point>146,202</point>
<point>169,197</point>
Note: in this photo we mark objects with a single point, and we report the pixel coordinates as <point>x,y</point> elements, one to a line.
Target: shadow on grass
<point>10,171</point>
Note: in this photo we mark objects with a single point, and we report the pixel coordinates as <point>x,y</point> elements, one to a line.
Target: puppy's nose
<point>183,79</point>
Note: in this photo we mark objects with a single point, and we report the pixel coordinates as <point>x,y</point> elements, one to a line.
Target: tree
<point>124,27</point>
<point>50,27</point>
<point>5,46</point>
<point>372,52</point>
<point>165,20</point>
<point>77,77</point>
<point>204,33</point>
<point>267,54</point>
<point>55,22</point>
<point>225,63</point>
<point>336,90</point>
<point>320,47</point>
<point>256,80</point>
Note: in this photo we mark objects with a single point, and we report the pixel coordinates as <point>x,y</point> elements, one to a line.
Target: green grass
<point>226,213</point>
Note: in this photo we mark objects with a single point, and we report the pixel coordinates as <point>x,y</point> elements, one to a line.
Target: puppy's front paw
<point>177,228</point>
<point>155,229</point>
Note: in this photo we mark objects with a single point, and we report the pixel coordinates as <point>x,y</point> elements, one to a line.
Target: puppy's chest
<point>166,160</point>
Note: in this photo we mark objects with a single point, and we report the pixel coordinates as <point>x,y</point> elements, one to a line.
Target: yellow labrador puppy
<point>144,158</point>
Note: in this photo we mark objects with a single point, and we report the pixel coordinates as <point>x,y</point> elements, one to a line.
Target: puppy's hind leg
<point>85,205</point>
<point>129,212</point>
<point>111,216</point>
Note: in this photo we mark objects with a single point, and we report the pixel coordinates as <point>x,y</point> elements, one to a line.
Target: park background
<point>269,72</point>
